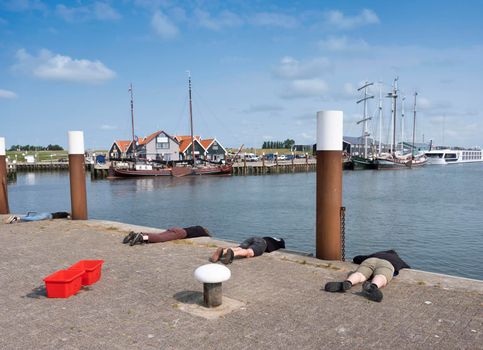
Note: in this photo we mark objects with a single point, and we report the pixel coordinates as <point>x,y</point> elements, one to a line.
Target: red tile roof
<point>149,138</point>
<point>207,143</point>
<point>123,145</point>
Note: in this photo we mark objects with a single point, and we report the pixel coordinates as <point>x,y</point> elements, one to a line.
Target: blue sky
<point>260,69</point>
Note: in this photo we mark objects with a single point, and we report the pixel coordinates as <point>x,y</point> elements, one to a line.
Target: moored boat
<point>449,156</point>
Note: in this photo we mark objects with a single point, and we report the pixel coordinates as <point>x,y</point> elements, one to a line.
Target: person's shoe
<point>8,220</point>
<point>217,255</point>
<point>129,237</point>
<point>337,286</point>
<point>137,239</point>
<point>371,291</point>
<point>228,257</point>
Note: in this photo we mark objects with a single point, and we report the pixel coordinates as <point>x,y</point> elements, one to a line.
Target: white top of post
<point>329,130</point>
<point>2,146</point>
<point>76,142</point>
<point>212,273</point>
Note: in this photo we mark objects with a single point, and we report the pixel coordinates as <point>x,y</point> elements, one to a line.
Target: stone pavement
<point>141,300</point>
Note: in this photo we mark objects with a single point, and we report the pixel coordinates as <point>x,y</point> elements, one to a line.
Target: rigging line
<point>224,127</point>
<point>182,117</point>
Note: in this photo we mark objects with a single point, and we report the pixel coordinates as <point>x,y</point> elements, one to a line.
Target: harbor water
<point>431,216</point>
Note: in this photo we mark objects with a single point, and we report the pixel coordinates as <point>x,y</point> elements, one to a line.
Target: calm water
<point>431,216</point>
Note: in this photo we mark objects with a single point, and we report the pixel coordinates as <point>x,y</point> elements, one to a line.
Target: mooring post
<point>77,174</point>
<point>3,179</point>
<point>212,276</point>
<point>329,185</point>
<point>263,163</point>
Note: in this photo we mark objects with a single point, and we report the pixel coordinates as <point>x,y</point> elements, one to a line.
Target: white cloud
<point>303,88</point>
<point>308,135</point>
<point>104,11</point>
<point>270,19</point>
<point>152,4</point>
<point>290,68</point>
<point>343,43</point>
<point>338,20</point>
<point>98,10</point>
<point>163,26</point>
<point>24,5</point>
<point>263,108</point>
<point>108,127</point>
<point>224,20</point>
<point>7,94</point>
<point>423,103</point>
<point>49,66</point>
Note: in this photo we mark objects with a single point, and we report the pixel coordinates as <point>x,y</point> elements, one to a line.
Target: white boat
<point>451,156</point>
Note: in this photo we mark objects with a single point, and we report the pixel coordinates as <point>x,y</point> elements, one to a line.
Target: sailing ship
<point>191,166</point>
<point>200,166</point>
<point>417,160</point>
<point>365,161</point>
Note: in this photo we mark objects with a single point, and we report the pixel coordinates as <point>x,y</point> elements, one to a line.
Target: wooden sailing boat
<point>137,168</point>
<point>198,167</point>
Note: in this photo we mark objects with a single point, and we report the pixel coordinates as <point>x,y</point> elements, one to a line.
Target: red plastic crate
<point>92,270</point>
<point>63,283</point>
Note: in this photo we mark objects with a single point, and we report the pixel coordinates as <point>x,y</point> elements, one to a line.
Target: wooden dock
<point>273,167</point>
<point>99,171</point>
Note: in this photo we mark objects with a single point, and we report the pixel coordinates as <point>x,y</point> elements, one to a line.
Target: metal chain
<point>342,231</point>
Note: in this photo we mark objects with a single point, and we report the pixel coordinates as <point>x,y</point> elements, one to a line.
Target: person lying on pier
<point>253,246</point>
<point>34,216</point>
<point>381,266</point>
<point>170,234</point>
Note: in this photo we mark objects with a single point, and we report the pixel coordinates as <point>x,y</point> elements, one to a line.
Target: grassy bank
<point>42,156</point>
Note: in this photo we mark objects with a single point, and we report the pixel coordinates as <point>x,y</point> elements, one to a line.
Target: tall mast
<point>402,123</point>
<point>393,95</point>
<point>132,121</point>
<point>380,118</point>
<point>364,119</point>
<point>414,122</point>
<point>191,119</point>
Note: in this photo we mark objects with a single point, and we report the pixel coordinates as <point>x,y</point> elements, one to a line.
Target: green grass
<point>42,156</point>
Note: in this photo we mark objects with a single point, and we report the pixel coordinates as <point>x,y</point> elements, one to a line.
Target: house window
<point>162,143</point>
<point>215,147</point>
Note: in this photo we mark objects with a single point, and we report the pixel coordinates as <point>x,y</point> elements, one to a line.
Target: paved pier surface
<point>147,295</point>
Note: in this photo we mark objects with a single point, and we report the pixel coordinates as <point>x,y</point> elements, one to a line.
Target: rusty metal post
<point>263,163</point>
<point>329,185</point>
<point>78,197</point>
<point>4,209</point>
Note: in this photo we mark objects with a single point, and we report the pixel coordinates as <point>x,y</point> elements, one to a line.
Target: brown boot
<point>228,258</point>
<point>217,255</point>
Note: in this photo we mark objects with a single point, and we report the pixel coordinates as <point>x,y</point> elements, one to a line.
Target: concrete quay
<point>148,298</point>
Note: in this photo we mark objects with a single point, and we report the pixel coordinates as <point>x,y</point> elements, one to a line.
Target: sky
<point>260,69</point>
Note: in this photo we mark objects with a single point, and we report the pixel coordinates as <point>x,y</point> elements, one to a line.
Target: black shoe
<point>228,257</point>
<point>217,255</point>
<point>338,286</point>
<point>371,291</point>
<point>137,239</point>
<point>129,237</point>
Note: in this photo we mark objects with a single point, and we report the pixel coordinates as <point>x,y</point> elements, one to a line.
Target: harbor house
<point>214,151</point>
<point>121,149</point>
<point>158,146</point>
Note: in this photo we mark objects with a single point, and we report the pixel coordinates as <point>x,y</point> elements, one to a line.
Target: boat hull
<point>363,163</point>
<point>141,173</point>
<point>391,164</point>
<point>177,171</point>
